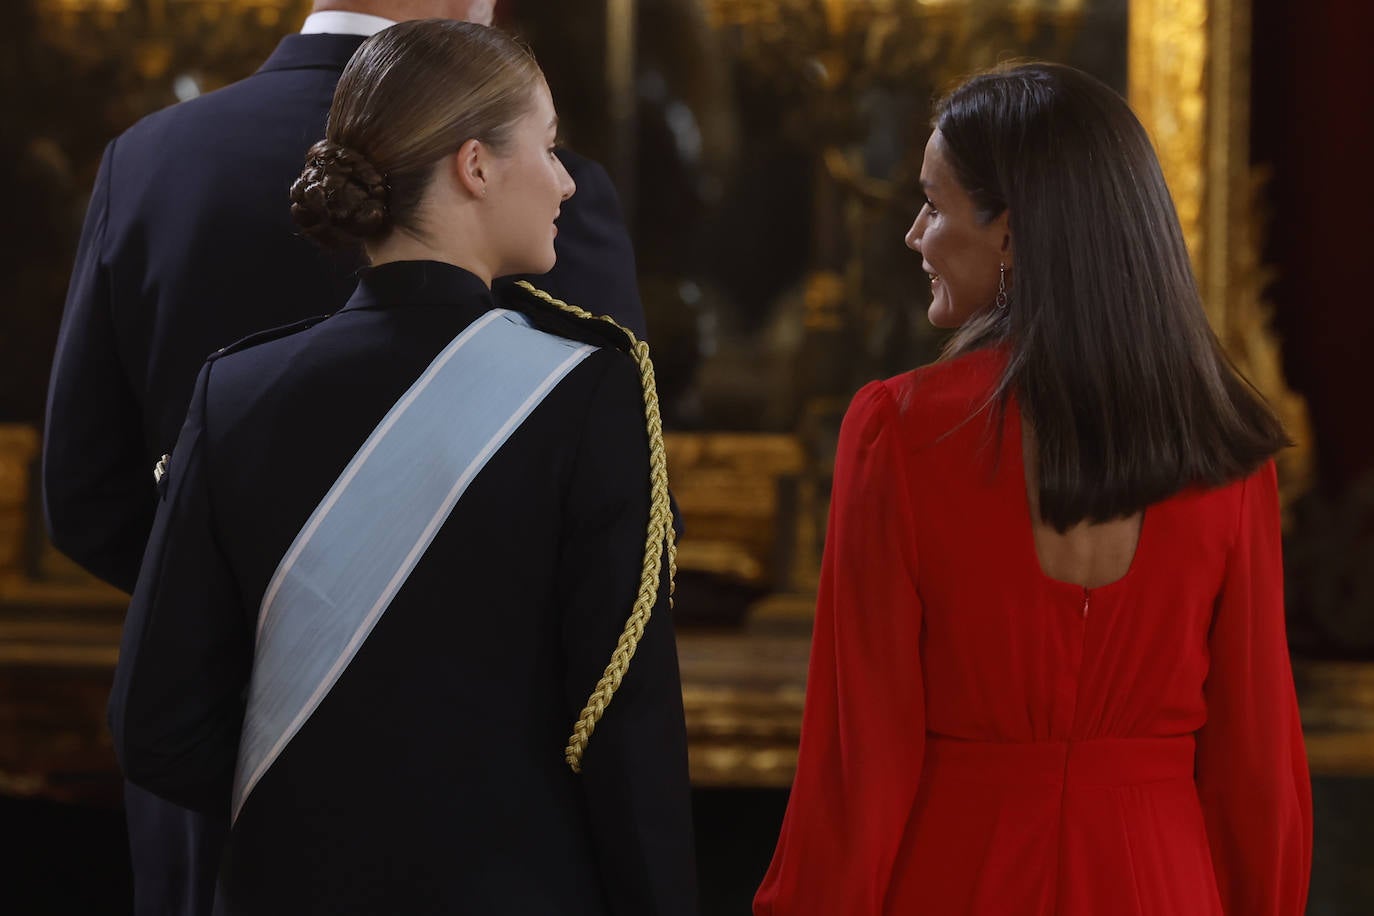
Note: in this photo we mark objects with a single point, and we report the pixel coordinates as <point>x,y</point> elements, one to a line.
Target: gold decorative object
<point>1167,75</point>
<point>18,450</point>
<point>216,40</point>
<point>1190,86</point>
<point>728,486</point>
<point>743,694</point>
<point>1337,700</point>
<point>660,542</point>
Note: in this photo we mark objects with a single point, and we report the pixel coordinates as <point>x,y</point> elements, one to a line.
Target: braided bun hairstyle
<point>412,95</point>
<point>340,198</point>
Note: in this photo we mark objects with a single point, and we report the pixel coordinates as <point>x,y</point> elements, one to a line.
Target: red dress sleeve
<point>1251,765</point>
<point>863,729</point>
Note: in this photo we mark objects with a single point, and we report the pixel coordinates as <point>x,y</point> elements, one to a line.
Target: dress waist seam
<point>1072,764</point>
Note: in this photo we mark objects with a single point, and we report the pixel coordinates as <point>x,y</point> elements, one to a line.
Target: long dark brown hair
<point>1129,394</point>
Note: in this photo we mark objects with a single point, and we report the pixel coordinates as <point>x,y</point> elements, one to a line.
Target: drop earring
<point>1002,298</point>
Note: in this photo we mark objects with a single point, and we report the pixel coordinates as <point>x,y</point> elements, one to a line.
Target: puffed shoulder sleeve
<point>1252,772</point>
<point>863,728</point>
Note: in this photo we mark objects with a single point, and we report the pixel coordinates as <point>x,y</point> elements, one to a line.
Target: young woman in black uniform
<point>399,548</point>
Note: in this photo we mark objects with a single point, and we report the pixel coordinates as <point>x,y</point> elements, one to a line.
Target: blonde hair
<point>411,95</point>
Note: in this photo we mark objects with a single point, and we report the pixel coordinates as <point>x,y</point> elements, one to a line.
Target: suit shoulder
<point>580,167</point>
<point>552,316</point>
<point>267,336</point>
<point>595,190</point>
<point>182,115</point>
<point>210,121</point>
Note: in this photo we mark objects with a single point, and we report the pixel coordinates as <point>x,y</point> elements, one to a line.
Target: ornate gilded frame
<point>1189,82</point>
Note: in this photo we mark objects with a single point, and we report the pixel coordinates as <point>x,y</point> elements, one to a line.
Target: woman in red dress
<point>1049,672</point>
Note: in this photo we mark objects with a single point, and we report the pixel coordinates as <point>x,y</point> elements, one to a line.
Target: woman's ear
<point>470,167</point>
<point>1003,225</point>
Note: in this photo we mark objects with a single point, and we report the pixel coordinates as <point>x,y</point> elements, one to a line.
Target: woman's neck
<point>402,246</point>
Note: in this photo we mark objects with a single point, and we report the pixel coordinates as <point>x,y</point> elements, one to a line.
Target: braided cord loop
<point>660,532</point>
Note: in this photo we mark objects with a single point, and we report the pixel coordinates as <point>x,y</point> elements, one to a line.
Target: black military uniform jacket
<point>431,779</point>
<point>188,246</point>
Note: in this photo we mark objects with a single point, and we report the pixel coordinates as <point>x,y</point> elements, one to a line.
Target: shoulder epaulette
<point>564,319</point>
<point>252,340</point>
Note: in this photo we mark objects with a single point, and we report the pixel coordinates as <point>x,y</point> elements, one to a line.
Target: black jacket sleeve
<point>177,706</point>
<point>596,260</point>
<point>634,771</point>
<point>98,491</point>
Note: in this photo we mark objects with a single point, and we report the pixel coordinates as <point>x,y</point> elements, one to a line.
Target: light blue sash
<point>379,517</point>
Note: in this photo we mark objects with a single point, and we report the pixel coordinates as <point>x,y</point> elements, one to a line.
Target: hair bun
<point>340,197</point>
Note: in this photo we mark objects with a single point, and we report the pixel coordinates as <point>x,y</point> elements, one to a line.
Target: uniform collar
<point>420,283</point>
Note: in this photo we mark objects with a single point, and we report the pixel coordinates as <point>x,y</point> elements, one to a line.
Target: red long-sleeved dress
<point>982,739</point>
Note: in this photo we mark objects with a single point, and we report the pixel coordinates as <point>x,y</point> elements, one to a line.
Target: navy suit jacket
<point>188,246</point>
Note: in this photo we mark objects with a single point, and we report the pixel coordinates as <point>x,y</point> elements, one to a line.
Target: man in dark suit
<point>188,246</point>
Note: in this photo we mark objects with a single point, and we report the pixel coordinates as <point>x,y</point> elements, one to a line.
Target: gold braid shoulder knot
<point>660,532</point>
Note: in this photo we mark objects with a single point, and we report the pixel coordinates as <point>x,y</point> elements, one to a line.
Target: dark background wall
<point>1313,123</point>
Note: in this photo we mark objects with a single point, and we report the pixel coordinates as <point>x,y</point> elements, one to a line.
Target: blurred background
<point>766,153</point>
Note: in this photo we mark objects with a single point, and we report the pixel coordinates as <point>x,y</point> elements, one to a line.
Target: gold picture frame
<point>1189,82</point>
